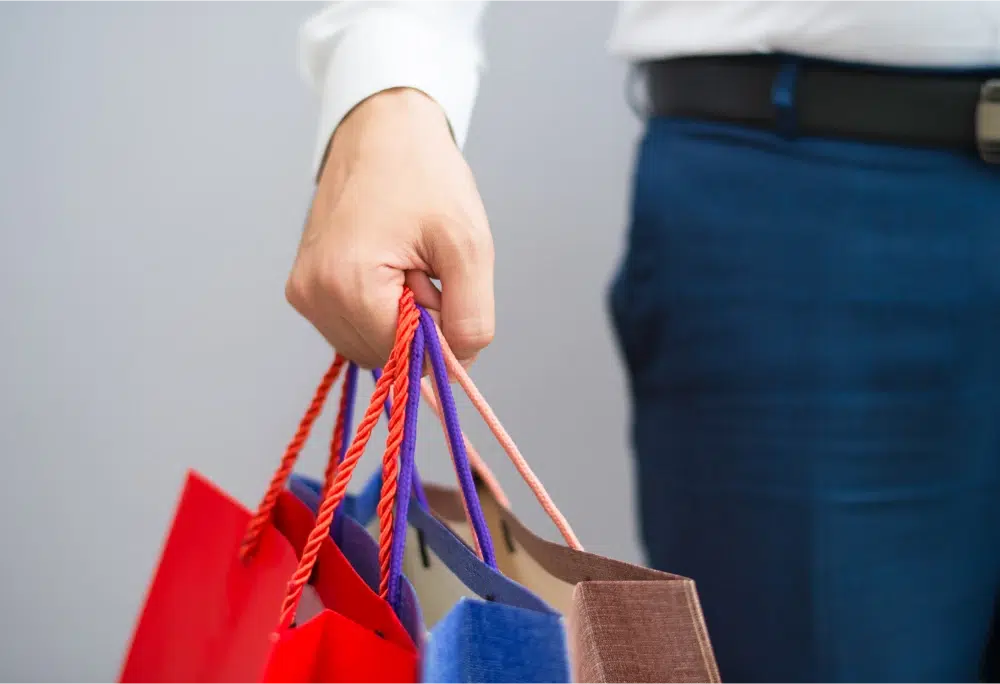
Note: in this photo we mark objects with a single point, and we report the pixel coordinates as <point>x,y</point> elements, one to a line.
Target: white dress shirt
<point>351,50</point>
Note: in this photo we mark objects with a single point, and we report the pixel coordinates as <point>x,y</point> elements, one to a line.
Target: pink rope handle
<point>479,467</point>
<point>484,409</point>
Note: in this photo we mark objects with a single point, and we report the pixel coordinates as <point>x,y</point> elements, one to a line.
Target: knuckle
<point>341,282</point>
<point>329,283</point>
<point>319,286</point>
<point>296,291</point>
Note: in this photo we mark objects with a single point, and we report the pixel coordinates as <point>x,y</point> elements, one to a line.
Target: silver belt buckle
<point>988,122</point>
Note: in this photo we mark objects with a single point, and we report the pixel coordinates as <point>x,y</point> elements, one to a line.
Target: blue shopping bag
<point>492,642</point>
<point>506,633</point>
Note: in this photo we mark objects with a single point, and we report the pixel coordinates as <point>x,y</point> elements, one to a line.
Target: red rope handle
<point>338,439</point>
<point>409,319</point>
<point>292,451</point>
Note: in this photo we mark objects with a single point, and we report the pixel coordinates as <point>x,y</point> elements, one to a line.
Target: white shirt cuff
<point>389,49</point>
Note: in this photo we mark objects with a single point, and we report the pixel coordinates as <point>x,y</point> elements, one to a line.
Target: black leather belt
<point>918,108</point>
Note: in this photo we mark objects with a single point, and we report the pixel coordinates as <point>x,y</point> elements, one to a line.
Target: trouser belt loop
<point>783,98</point>
<point>988,122</point>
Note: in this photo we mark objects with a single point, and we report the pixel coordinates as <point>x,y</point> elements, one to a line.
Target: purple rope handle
<point>409,480</point>
<point>351,388</point>
<point>454,433</point>
<point>406,467</point>
<point>418,487</point>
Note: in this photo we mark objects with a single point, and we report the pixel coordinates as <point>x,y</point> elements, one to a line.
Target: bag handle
<point>338,443</point>
<point>470,499</point>
<point>280,478</point>
<point>418,487</point>
<point>442,402</point>
<point>406,466</point>
<point>338,448</point>
<point>458,371</point>
<point>427,335</point>
<point>479,466</point>
<point>453,437</point>
<point>342,427</point>
<point>395,377</point>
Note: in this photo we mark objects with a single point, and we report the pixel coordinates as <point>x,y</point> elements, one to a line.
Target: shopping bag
<point>361,551</point>
<point>434,556</point>
<point>626,623</point>
<point>353,540</point>
<point>516,563</point>
<point>492,642</point>
<point>223,600</point>
<point>510,636</point>
<point>481,641</point>
<point>441,567</point>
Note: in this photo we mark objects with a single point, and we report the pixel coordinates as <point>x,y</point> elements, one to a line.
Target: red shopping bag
<point>222,602</point>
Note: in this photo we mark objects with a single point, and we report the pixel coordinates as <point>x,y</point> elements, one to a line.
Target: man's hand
<point>396,203</point>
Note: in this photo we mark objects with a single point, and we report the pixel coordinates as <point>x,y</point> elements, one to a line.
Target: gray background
<point>154,175</point>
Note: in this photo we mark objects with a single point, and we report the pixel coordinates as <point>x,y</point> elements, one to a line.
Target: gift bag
<point>351,537</point>
<point>435,556</point>
<point>441,567</point>
<point>437,587</point>
<point>223,601</point>
<point>509,636</point>
<point>626,623</point>
<point>359,511</point>
<point>361,551</point>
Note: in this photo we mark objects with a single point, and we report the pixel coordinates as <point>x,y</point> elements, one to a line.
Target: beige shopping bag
<point>520,567</point>
<point>626,623</point>
<point>436,587</point>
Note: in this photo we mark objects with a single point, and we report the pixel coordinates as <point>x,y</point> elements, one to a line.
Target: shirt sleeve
<point>352,50</point>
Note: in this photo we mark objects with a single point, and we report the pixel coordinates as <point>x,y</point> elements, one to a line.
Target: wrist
<point>385,114</point>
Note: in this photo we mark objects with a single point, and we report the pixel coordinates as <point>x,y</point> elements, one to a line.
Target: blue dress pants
<point>811,330</point>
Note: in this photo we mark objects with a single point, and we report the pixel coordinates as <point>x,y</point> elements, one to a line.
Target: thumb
<point>428,296</point>
<point>465,268</point>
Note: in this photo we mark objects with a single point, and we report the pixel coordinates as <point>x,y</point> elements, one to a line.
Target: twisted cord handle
<point>409,318</point>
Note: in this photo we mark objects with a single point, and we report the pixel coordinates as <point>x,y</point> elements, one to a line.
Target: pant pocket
<point>635,294</point>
